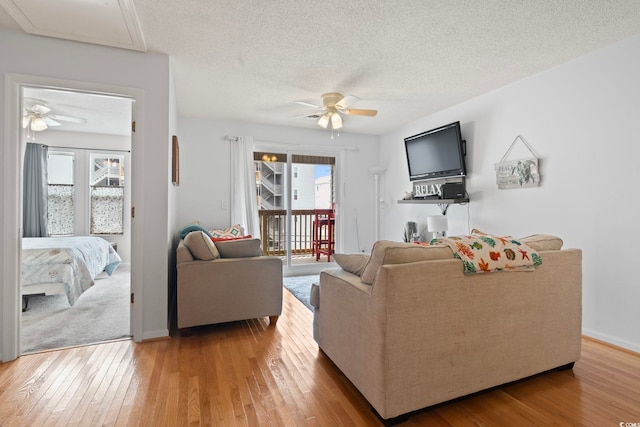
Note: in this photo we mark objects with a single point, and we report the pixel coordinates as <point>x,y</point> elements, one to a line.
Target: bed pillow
<point>192,227</point>
<point>353,263</point>
<point>201,246</point>
<point>242,248</point>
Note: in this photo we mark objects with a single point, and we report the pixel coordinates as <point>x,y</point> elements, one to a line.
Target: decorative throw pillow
<point>192,227</point>
<point>387,252</point>
<point>201,246</point>
<point>353,263</point>
<point>227,239</point>
<point>233,231</point>
<point>242,248</point>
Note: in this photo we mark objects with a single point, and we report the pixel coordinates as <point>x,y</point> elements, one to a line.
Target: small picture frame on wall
<point>175,161</point>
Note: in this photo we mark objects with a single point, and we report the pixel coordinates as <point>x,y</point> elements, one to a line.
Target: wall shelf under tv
<point>435,201</point>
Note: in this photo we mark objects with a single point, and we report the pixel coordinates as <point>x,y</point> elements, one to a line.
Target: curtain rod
<point>284,144</point>
<point>91,149</point>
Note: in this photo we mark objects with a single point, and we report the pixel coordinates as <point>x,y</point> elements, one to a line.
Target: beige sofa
<point>423,332</point>
<point>225,281</point>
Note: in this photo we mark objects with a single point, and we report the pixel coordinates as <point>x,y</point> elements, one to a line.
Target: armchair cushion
<point>239,248</point>
<point>201,246</point>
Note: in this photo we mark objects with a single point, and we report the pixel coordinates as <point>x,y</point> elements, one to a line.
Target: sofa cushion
<point>201,246</point>
<point>240,248</point>
<point>543,242</point>
<point>387,252</point>
<point>353,263</point>
<point>192,227</point>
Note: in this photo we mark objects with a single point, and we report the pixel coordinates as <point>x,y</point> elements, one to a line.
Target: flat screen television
<point>437,153</point>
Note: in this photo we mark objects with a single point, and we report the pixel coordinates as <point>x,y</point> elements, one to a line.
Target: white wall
<point>204,191</point>
<point>147,74</point>
<point>583,120</point>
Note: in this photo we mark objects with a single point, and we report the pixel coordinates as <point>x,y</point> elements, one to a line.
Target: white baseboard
<point>152,335</point>
<point>611,340</point>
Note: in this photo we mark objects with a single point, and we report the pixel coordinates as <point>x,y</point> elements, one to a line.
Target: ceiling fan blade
<point>346,102</point>
<point>29,102</point>
<point>40,109</point>
<point>50,122</point>
<point>357,112</point>
<point>315,114</point>
<point>68,119</point>
<point>307,104</point>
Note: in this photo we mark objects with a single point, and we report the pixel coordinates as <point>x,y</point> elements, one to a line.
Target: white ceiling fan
<point>333,105</point>
<point>37,116</point>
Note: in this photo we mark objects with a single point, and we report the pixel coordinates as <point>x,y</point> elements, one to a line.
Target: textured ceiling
<point>250,60</point>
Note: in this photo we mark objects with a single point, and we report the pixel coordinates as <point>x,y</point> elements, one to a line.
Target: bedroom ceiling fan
<point>38,117</point>
<point>333,105</point>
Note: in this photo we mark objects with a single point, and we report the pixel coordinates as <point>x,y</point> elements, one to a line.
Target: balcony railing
<point>273,229</point>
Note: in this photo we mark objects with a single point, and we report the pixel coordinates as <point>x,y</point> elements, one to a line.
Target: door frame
<point>12,202</point>
<point>289,150</point>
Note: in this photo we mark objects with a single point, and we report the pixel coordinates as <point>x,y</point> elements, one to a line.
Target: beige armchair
<point>226,281</point>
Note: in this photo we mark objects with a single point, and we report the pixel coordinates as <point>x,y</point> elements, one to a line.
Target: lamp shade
<point>324,121</point>
<point>336,121</point>
<point>436,224</point>
<point>38,124</point>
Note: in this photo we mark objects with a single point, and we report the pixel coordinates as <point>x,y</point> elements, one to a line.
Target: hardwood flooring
<point>247,373</point>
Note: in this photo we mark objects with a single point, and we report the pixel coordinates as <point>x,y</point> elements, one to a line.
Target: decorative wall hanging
<point>518,173</point>
<point>175,161</point>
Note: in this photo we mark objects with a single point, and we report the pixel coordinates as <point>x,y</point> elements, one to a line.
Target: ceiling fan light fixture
<point>38,124</point>
<point>324,121</point>
<point>336,121</point>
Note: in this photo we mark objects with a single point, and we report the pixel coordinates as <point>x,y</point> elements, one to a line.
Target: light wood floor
<point>248,373</point>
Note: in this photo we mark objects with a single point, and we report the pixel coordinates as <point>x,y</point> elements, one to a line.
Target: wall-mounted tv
<point>437,153</point>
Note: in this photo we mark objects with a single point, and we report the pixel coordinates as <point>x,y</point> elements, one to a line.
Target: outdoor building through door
<point>296,201</point>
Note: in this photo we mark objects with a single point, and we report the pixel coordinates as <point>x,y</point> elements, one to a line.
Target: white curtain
<point>244,199</point>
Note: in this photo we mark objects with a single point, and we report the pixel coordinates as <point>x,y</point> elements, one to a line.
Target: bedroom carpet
<point>100,314</point>
<point>300,287</point>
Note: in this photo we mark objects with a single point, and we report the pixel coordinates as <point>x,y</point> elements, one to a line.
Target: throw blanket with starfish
<point>485,253</point>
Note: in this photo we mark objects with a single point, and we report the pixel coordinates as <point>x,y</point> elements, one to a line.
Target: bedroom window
<point>61,203</point>
<point>106,178</point>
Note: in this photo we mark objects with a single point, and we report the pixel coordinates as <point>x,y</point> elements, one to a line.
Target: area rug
<point>300,287</point>
<point>100,314</point>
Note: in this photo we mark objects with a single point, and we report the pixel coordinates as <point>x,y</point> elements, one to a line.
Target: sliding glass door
<point>296,195</point>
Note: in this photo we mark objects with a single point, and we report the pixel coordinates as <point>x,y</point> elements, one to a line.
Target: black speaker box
<point>453,190</point>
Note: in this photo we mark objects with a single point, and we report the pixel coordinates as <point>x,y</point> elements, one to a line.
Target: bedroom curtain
<point>34,212</point>
<point>244,199</point>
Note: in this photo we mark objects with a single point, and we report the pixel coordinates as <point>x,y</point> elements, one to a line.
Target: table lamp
<point>437,225</point>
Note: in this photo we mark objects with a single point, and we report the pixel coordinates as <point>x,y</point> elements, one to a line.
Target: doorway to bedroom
<point>76,277</point>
